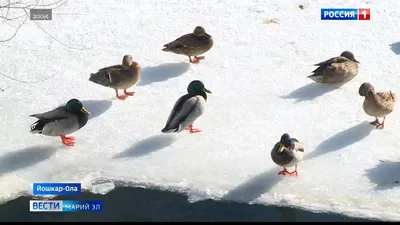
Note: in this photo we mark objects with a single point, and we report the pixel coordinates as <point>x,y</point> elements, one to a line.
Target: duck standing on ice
<point>287,152</point>
<point>377,104</point>
<point>187,109</point>
<point>119,76</point>
<point>62,121</point>
<point>338,69</point>
<point>193,44</point>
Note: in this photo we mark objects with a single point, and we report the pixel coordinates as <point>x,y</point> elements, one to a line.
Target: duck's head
<point>75,106</point>
<point>199,31</point>
<point>365,89</point>
<point>349,55</point>
<point>197,87</point>
<point>285,141</point>
<point>127,61</point>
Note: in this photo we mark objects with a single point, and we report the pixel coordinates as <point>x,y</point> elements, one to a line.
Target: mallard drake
<point>287,152</point>
<point>193,44</point>
<point>62,121</point>
<point>377,104</point>
<point>336,70</point>
<point>119,76</point>
<point>187,109</point>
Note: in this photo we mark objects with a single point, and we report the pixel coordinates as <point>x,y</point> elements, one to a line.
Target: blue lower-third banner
<point>65,206</point>
<point>56,188</point>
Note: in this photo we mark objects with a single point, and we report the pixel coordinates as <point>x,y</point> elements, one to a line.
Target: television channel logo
<point>56,189</point>
<point>41,14</point>
<point>65,206</point>
<point>345,14</point>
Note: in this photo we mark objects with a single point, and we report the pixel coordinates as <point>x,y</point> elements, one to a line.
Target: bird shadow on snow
<point>342,139</point>
<point>96,107</point>
<point>162,72</point>
<point>254,187</point>
<point>385,175</point>
<point>147,146</point>
<point>311,91</point>
<point>25,157</point>
<point>395,47</point>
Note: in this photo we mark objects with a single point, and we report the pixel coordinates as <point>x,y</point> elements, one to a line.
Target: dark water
<point>138,204</point>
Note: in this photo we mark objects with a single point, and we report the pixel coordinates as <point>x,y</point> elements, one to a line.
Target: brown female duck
<point>119,76</point>
<point>377,104</point>
<point>193,44</point>
<point>338,69</point>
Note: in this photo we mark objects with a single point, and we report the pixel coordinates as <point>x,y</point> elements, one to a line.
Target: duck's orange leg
<point>122,97</point>
<point>196,59</point>
<point>376,122</point>
<point>68,141</point>
<point>381,125</point>
<point>129,92</point>
<point>294,173</point>
<point>284,172</point>
<point>199,57</point>
<point>192,130</point>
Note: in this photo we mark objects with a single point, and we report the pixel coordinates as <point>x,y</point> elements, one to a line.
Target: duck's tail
<point>37,127</point>
<point>316,77</point>
<point>101,78</point>
<point>166,49</point>
<point>394,97</point>
<point>168,130</point>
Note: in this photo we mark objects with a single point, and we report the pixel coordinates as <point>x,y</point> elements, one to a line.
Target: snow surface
<point>258,75</point>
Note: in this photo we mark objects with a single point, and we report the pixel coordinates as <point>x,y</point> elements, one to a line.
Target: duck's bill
<point>85,111</point>
<point>207,35</point>
<point>206,90</point>
<point>281,147</point>
<point>356,61</point>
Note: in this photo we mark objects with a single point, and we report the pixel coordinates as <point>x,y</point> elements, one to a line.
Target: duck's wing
<point>108,75</point>
<point>55,114</point>
<point>184,42</point>
<point>386,96</point>
<point>111,68</point>
<point>176,45</point>
<point>181,110</point>
<point>337,59</point>
<point>330,64</point>
<point>177,107</point>
<point>297,145</point>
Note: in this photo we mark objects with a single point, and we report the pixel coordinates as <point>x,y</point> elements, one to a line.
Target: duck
<point>61,121</point>
<point>193,44</point>
<point>287,152</point>
<point>340,69</point>
<point>377,104</point>
<point>119,76</point>
<point>187,109</point>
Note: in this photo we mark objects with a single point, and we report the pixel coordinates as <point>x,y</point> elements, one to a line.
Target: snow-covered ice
<point>258,75</point>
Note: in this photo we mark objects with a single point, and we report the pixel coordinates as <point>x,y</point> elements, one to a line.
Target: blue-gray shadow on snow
<point>96,107</point>
<point>395,47</point>
<point>342,139</point>
<point>386,175</point>
<point>25,157</point>
<point>254,187</point>
<point>162,72</point>
<point>147,146</point>
<point>311,91</point>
